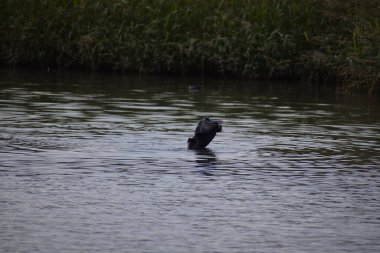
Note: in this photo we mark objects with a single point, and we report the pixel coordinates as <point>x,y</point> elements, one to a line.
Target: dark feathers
<point>204,133</point>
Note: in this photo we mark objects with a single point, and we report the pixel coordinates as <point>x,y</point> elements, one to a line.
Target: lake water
<point>99,163</point>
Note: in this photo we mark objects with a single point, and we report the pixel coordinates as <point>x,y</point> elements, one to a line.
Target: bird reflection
<point>206,161</point>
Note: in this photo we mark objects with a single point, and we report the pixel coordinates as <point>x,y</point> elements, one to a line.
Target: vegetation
<point>332,41</point>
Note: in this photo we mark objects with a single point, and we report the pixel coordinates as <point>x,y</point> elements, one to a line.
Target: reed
<point>329,41</point>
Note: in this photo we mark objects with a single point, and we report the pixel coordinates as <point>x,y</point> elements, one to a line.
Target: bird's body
<point>204,133</point>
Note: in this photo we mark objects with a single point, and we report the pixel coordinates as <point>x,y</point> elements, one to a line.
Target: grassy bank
<point>316,40</point>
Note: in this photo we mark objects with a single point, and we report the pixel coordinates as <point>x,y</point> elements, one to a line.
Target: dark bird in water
<point>204,133</point>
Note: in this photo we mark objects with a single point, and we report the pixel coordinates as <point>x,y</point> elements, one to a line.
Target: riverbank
<point>319,41</point>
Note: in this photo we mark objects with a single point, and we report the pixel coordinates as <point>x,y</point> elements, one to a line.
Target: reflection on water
<point>99,163</point>
<point>206,161</point>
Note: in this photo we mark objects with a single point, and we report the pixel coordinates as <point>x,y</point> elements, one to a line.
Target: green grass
<point>328,41</point>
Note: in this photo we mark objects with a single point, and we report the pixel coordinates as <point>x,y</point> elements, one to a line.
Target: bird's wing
<point>205,127</point>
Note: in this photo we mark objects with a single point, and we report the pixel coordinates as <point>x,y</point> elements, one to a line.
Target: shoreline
<point>314,41</point>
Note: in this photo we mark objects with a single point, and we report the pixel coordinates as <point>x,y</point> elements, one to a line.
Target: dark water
<point>99,163</point>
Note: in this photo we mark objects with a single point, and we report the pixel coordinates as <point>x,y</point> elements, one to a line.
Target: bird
<point>204,133</point>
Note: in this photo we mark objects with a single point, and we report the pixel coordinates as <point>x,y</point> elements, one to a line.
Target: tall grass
<point>318,40</point>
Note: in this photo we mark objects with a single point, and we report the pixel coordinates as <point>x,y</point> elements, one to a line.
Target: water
<point>99,163</point>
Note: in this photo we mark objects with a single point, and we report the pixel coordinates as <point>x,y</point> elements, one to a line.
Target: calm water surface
<point>99,163</point>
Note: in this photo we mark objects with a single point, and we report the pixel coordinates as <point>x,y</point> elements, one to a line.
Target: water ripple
<point>99,167</point>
